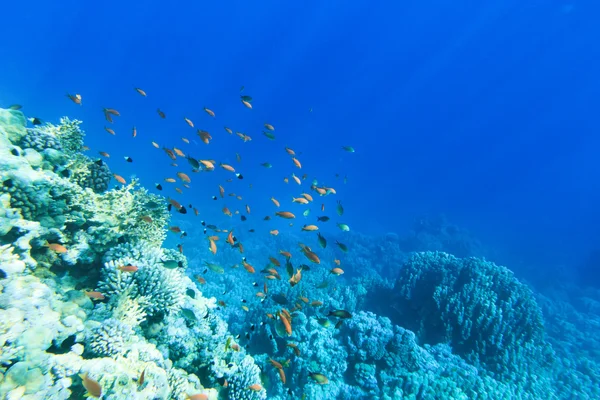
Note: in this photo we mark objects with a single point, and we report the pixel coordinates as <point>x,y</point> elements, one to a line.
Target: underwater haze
<point>300,200</point>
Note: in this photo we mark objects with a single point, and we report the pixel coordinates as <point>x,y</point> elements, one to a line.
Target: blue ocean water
<point>484,112</point>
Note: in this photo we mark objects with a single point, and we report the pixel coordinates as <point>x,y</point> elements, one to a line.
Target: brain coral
<point>480,308</point>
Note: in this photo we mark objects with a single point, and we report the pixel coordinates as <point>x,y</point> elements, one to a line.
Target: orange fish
<point>274,261</point>
<point>337,271</point>
<point>104,154</point>
<point>228,130</point>
<point>207,164</point>
<point>296,162</point>
<point>170,153</point>
<point>337,262</point>
<point>170,180</point>
<point>321,191</point>
<point>128,268</point>
<point>312,256</point>
<point>290,151</point>
<point>189,122</point>
<point>112,132</point>
<point>295,279</point>
<point>295,348</point>
<point>156,145</point>
<point>255,388</point>
<point>230,238</point>
<point>184,177</point>
<point>248,105</point>
<point>200,280</point>
<point>286,180</point>
<point>186,140</point>
<point>57,248</point>
<point>204,136</point>
<point>248,267</point>
<point>286,323</point>
<point>275,201</point>
<point>134,132</point>
<point>209,112</point>
<point>316,303</point>
<point>227,167</point>
<point>140,91</point>
<point>175,203</point>
<point>178,152</point>
<point>310,228</point>
<point>307,196</point>
<point>227,212</point>
<point>285,214</point>
<point>296,179</point>
<point>146,218</point>
<point>276,364</point>
<point>323,207</point>
<point>269,127</point>
<point>274,232</point>
<point>75,98</point>
<point>199,396</point>
<point>95,295</point>
<point>247,209</point>
<point>213,246</point>
<point>286,254</point>
<point>299,200</point>
<point>91,386</point>
<point>142,378</point>
<point>112,111</point>
<point>119,179</point>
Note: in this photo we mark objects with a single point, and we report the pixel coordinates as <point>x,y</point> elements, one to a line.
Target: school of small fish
<point>284,317</point>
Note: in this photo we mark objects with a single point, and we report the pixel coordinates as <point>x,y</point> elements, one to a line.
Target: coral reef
<point>87,288</point>
<point>67,306</point>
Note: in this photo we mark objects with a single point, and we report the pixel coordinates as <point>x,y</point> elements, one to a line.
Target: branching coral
<point>239,382</point>
<point>109,338</point>
<point>158,289</point>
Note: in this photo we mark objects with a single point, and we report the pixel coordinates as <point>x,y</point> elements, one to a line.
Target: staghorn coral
<point>116,216</point>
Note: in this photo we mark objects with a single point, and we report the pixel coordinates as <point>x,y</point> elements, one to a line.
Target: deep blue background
<point>484,110</point>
